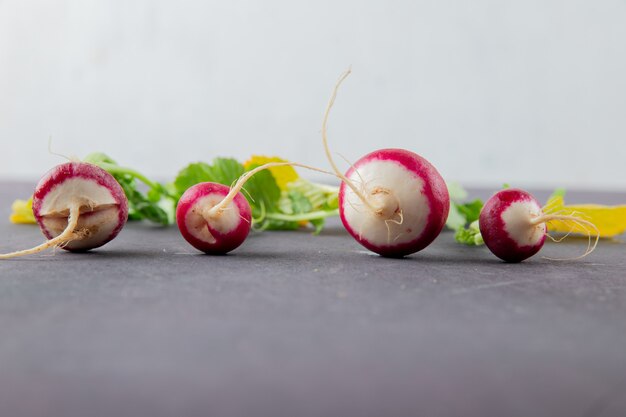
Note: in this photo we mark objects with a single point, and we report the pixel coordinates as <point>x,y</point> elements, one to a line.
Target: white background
<point>532,93</point>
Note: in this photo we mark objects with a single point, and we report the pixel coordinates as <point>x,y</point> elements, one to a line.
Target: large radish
<point>392,201</point>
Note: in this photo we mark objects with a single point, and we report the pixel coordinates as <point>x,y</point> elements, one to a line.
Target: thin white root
<point>388,232</point>
<point>51,152</point>
<point>263,213</point>
<point>562,238</point>
<point>582,226</point>
<point>355,208</point>
<point>246,193</point>
<point>569,232</point>
<point>64,238</point>
<point>361,185</point>
<point>217,209</point>
<point>398,222</point>
<point>582,223</point>
<point>244,219</point>
<point>342,177</point>
<point>353,167</point>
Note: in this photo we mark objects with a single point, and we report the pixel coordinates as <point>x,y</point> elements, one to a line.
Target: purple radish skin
<point>78,206</point>
<point>513,225</point>
<point>392,201</point>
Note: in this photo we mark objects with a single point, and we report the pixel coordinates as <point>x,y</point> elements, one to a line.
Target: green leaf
<point>261,188</point>
<point>293,202</point>
<point>305,201</point>
<point>226,170</point>
<point>318,224</point>
<point>141,207</point>
<point>299,202</point>
<point>154,194</point>
<point>271,224</point>
<point>155,205</point>
<point>191,175</point>
<point>321,197</point>
<point>462,214</point>
<point>471,210</point>
<point>469,236</point>
<point>223,171</point>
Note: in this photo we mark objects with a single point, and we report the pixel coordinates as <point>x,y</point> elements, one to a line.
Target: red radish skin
<point>508,225</point>
<point>78,207</point>
<point>217,234</point>
<point>411,186</point>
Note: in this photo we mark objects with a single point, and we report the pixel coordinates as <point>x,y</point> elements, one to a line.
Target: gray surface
<point>297,325</point>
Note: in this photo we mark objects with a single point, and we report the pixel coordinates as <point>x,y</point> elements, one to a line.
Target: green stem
<point>116,169</point>
<point>328,189</point>
<point>304,216</point>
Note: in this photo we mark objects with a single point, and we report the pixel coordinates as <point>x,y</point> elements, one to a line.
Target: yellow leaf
<point>610,220</point>
<point>283,174</point>
<point>22,212</point>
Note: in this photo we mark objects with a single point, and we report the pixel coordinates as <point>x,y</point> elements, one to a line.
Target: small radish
<point>216,219</point>
<point>392,201</point>
<point>207,228</point>
<point>78,207</point>
<point>513,225</point>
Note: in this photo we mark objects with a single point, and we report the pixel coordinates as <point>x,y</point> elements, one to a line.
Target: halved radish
<point>78,207</point>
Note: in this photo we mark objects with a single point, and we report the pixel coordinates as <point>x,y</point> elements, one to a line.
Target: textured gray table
<point>296,325</point>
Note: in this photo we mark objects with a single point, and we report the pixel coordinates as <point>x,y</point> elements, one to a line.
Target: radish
<point>513,225</point>
<point>78,207</point>
<point>392,201</point>
<point>213,231</point>
<point>216,219</point>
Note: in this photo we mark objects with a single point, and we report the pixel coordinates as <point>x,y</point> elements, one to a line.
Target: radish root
<point>342,177</point>
<point>68,235</point>
<point>362,194</point>
<point>586,225</point>
<point>51,152</point>
<point>217,209</point>
<point>398,222</point>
